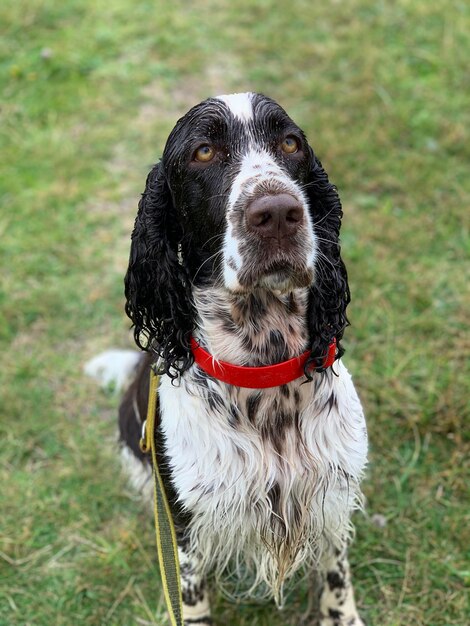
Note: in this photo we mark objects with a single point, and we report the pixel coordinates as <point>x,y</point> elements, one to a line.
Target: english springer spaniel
<point>235,251</point>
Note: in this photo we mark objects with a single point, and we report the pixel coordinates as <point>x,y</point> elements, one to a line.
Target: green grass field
<point>89,92</point>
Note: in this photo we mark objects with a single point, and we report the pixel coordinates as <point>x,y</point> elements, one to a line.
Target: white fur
<point>231,253</point>
<point>113,367</point>
<point>266,499</point>
<point>340,598</point>
<point>240,104</point>
<point>258,166</point>
<point>201,608</point>
<point>198,611</point>
<point>224,475</point>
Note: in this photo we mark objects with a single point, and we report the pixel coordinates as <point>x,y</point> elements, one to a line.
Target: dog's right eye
<point>204,153</point>
<point>290,145</point>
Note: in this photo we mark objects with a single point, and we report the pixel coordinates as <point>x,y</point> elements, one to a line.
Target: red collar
<point>257,377</point>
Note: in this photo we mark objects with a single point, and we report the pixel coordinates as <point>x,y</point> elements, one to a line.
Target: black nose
<point>275,216</point>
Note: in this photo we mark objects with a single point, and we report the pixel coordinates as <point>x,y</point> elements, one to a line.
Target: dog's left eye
<point>290,145</point>
<point>204,153</point>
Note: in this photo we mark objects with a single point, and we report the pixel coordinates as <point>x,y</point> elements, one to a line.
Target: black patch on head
<point>271,121</point>
<point>285,391</point>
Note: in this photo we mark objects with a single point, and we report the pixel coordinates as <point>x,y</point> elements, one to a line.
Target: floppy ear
<point>329,294</point>
<point>157,286</point>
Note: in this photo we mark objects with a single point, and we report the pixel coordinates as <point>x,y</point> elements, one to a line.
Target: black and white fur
<point>262,483</point>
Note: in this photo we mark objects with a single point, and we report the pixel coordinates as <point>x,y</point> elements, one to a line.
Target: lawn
<point>89,92</point>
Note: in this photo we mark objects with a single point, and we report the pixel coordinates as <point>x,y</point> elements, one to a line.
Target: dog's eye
<point>204,153</point>
<point>290,145</point>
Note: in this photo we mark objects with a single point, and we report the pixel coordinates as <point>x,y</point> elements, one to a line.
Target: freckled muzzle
<point>270,235</point>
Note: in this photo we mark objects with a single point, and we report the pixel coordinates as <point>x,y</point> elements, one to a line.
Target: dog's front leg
<point>196,608</point>
<point>337,606</point>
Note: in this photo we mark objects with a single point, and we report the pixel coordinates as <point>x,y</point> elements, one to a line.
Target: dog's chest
<point>232,451</point>
<point>219,444</point>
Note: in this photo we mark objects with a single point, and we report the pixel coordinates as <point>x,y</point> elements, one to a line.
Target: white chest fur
<point>268,476</point>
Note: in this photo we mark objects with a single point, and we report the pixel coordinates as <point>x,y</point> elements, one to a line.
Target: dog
<point>235,253</point>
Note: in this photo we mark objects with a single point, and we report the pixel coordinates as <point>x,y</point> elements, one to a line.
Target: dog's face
<point>239,200</point>
<point>236,166</point>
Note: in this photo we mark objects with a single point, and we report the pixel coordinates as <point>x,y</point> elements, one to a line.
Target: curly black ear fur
<point>157,285</point>
<point>329,295</point>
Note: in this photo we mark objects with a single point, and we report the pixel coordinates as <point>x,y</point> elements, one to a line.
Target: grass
<point>89,93</point>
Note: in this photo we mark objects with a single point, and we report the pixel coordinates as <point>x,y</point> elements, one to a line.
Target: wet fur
<point>271,476</point>
<point>261,482</point>
<point>178,230</point>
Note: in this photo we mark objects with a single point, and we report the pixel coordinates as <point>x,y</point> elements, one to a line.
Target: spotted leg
<point>337,606</point>
<point>196,608</point>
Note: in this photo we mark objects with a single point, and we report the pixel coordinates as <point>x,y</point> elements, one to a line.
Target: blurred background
<point>89,93</point>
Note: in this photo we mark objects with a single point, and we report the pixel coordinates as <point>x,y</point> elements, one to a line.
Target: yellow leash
<point>164,527</point>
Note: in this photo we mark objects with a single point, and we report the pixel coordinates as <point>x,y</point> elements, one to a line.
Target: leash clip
<point>157,366</point>
<point>143,438</point>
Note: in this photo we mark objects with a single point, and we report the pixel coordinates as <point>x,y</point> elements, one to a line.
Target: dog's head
<point>240,200</point>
